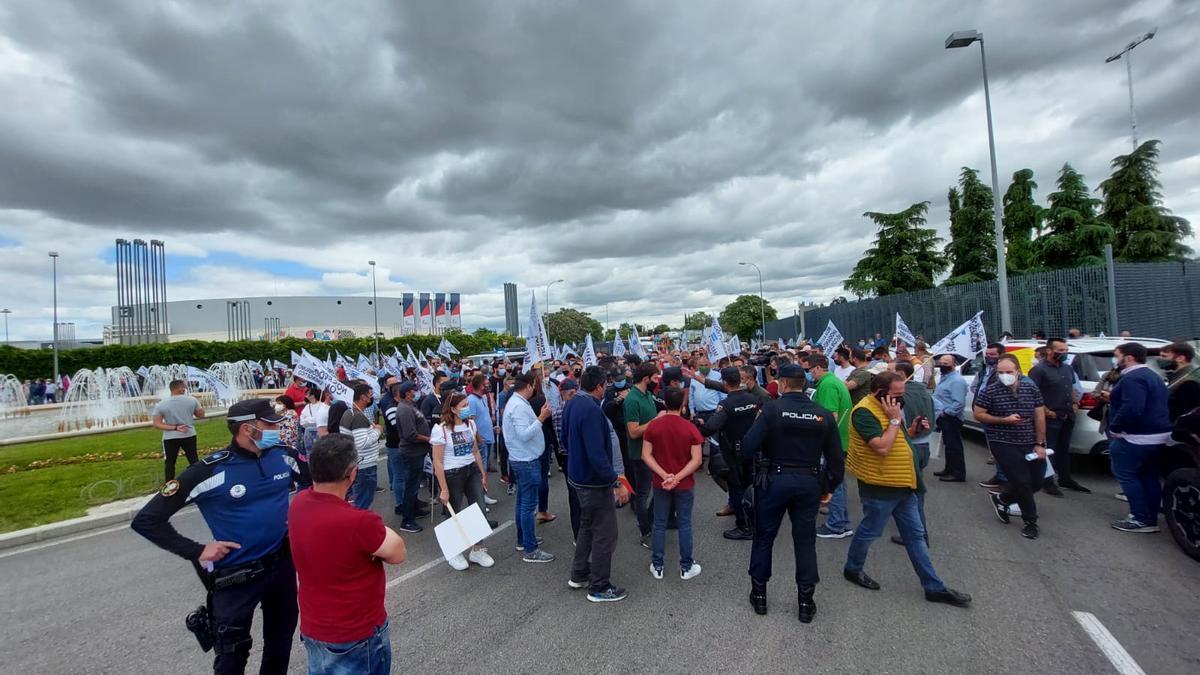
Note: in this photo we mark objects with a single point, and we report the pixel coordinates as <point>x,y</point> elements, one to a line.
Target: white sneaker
<point>655,571</point>
<point>691,572</point>
<point>487,499</point>
<point>1014,509</point>
<point>480,557</point>
<point>458,562</point>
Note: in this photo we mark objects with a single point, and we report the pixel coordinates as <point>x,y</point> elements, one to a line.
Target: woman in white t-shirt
<point>315,417</point>
<point>458,468</point>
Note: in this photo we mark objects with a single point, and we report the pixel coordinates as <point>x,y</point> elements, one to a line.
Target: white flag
<point>444,348</point>
<point>424,381</point>
<point>363,363</point>
<point>635,343</point>
<point>903,333</point>
<point>831,339</point>
<point>143,371</point>
<point>618,348</point>
<point>967,340</point>
<point>537,342</point>
<point>354,373</point>
<point>589,352</point>
<point>411,361</point>
<point>295,358</point>
<point>781,345</point>
<point>735,345</point>
<point>211,383</point>
<point>714,344</point>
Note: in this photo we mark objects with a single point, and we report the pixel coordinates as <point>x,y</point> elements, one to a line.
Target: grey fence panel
<point>1159,300</point>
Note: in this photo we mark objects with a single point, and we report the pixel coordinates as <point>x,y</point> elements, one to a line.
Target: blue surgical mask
<point>502,372</point>
<point>620,384</point>
<point>464,413</point>
<point>808,376</point>
<point>270,439</point>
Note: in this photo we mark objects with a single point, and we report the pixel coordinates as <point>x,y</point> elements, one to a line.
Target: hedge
<point>39,363</point>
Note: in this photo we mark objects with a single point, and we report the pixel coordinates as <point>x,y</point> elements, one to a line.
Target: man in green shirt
<point>832,395</point>
<point>858,382</point>
<point>640,410</point>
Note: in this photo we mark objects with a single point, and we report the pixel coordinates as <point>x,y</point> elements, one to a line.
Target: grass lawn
<point>36,496</point>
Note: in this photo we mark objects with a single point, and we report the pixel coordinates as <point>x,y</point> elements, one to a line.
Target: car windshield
<point>1092,365</point>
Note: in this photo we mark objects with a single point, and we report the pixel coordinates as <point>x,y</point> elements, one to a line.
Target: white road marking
<point>436,561</point>
<point>64,540</point>
<point>1108,644</point>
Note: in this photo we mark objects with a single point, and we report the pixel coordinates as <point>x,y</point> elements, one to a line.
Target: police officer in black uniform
<point>732,419</point>
<point>787,442</point>
<point>242,492</point>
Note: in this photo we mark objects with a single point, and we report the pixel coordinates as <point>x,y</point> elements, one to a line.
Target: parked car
<point>1180,463</point>
<point>478,360</point>
<point>1090,358</point>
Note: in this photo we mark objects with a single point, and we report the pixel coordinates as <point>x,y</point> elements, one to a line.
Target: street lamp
<point>5,312</point>
<point>375,306</point>
<point>964,38</point>
<point>54,261</point>
<point>1127,52</point>
<point>762,303</point>
<point>558,281</point>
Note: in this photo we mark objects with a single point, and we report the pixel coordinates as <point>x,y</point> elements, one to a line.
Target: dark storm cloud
<point>640,147</point>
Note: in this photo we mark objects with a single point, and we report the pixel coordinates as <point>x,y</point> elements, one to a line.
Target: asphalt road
<point>112,603</point>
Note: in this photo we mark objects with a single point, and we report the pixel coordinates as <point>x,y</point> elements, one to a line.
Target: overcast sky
<point>636,149</point>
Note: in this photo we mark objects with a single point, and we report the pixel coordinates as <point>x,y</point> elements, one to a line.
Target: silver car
<point>1090,359</point>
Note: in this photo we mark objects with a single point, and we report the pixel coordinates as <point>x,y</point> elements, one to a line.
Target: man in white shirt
<point>523,437</point>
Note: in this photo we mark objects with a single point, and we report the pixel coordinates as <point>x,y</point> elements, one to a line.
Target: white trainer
<point>458,562</point>
<point>691,572</point>
<point>480,557</point>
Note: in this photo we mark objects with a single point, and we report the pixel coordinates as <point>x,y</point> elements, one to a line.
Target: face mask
<point>502,372</point>
<point>1167,364</point>
<point>705,370</point>
<point>464,413</point>
<point>808,376</point>
<point>945,369</point>
<point>269,439</point>
<point>651,387</point>
<point>1008,379</point>
<point>620,384</point>
<point>991,360</point>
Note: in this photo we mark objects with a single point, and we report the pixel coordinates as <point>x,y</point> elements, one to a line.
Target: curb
<point>65,528</point>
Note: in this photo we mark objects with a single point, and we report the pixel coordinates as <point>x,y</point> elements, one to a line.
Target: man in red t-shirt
<point>671,450</point>
<point>296,391</point>
<point>339,552</point>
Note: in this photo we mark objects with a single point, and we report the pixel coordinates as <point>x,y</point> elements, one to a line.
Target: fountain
<point>12,397</point>
<point>158,379</point>
<point>102,398</point>
<point>237,376</point>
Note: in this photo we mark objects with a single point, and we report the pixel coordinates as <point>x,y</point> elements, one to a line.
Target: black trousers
<point>1024,477</point>
<point>233,614</point>
<point>798,495</point>
<point>641,479</point>
<point>171,448</point>
<point>597,537</point>
<point>951,428</point>
<point>1058,437</point>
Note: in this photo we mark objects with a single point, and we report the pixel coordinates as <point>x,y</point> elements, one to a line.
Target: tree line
<point>1071,230</point>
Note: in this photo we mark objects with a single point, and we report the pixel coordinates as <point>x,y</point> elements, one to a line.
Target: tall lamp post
<point>54,261</point>
<point>5,312</point>
<point>762,303</point>
<point>1127,52</point>
<point>964,38</point>
<point>375,306</point>
<point>557,281</point>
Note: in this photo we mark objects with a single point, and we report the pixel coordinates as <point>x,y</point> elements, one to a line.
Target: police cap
<point>791,370</point>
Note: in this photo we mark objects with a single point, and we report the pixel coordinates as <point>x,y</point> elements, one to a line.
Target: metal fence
<point>1152,300</point>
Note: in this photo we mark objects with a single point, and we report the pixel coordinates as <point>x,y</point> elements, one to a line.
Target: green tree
<point>905,256</point>
<point>625,329</point>
<point>972,235</point>
<point>697,321</point>
<point>1145,230</point>
<point>571,325</point>
<point>1074,235</point>
<point>1022,217</point>
<point>744,316</point>
<point>660,329</point>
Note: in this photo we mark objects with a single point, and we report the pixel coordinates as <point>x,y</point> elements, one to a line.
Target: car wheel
<point>1181,501</point>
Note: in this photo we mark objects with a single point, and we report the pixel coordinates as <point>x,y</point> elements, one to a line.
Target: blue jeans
<point>397,475</point>
<point>485,453</point>
<point>1136,468</point>
<point>363,491</point>
<point>368,656</point>
<point>528,476</point>
<point>664,501</point>
<point>907,513</point>
<point>838,519</point>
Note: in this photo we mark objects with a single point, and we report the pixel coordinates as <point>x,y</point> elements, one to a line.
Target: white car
<point>1090,358</point>
<point>478,360</point>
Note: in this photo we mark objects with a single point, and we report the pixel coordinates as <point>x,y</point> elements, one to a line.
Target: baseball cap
<point>254,409</point>
<point>407,386</point>
<point>791,370</point>
<point>568,385</point>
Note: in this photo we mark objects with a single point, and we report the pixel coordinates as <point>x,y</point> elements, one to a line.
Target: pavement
<point>107,601</point>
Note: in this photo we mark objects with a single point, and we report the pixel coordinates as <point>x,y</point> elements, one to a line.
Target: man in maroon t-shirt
<point>671,450</point>
<point>339,552</point>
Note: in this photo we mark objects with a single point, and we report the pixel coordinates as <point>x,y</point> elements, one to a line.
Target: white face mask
<point>1008,379</point>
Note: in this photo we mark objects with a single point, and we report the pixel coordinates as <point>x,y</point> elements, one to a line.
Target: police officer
<point>242,492</point>
<point>787,442</point>
<point>732,419</point>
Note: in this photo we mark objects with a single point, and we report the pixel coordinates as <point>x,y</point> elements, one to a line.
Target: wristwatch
<point>894,422</point>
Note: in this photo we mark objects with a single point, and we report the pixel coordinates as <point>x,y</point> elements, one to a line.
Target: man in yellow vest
<point>882,458</point>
